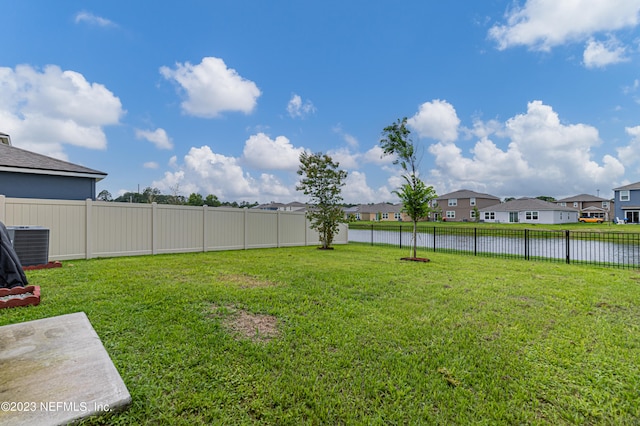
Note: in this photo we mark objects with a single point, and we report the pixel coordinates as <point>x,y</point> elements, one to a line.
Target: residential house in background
<point>377,212</point>
<point>589,206</point>
<point>461,205</point>
<point>25,174</point>
<point>529,210</point>
<point>627,199</point>
<point>289,207</point>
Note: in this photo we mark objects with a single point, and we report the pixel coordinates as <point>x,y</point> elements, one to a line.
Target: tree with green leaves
<point>415,195</point>
<point>105,195</point>
<point>322,182</point>
<point>195,200</point>
<point>212,201</point>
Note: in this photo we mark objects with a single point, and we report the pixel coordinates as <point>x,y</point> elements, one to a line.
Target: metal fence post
<point>434,238</point>
<point>526,244</point>
<point>372,234</point>
<point>568,243</point>
<point>400,235</point>
<point>475,241</point>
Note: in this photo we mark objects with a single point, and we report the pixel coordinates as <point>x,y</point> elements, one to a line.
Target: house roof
<point>594,209</point>
<point>379,208</point>
<point>466,193</point>
<point>527,204</point>
<point>628,187</point>
<point>581,197</point>
<point>18,160</point>
<point>293,206</point>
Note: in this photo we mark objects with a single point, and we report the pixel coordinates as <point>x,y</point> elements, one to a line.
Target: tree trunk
<point>415,238</point>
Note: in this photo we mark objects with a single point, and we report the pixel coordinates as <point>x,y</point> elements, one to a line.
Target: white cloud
<point>345,158</point>
<point>375,155</point>
<point>349,139</point>
<point>543,157</point>
<point>43,110</point>
<point>297,109</point>
<point>543,24</point>
<point>600,54</point>
<point>632,88</point>
<point>211,88</point>
<point>482,129</point>
<point>206,172</point>
<point>630,154</point>
<point>150,165</point>
<point>264,153</point>
<point>92,19</point>
<point>356,190</point>
<point>436,120</point>
<point>158,137</point>
<point>274,189</point>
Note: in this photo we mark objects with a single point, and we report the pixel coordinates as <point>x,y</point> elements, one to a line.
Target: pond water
<point>552,245</point>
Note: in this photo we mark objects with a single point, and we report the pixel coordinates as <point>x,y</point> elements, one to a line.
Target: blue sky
<point>524,98</point>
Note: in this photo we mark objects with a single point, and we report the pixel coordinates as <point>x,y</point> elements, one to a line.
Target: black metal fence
<point>613,249</point>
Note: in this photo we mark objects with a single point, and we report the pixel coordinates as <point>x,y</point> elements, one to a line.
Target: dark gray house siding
<point>22,185</point>
<point>26,174</point>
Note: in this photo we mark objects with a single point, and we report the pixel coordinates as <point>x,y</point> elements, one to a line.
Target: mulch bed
<point>416,259</point>
<point>43,266</point>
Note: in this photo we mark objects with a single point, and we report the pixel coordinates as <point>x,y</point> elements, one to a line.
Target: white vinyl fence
<point>88,229</point>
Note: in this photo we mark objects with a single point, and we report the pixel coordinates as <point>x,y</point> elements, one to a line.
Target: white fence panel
<point>179,229</point>
<point>119,229</point>
<point>66,221</point>
<point>88,229</point>
<point>225,229</point>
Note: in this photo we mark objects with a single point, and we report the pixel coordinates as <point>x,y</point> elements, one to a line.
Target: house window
<point>473,214</point>
<point>605,205</point>
<point>531,215</point>
<point>385,215</point>
<point>453,202</point>
<point>489,215</point>
<point>563,204</point>
<point>451,214</point>
<point>472,202</point>
<point>624,195</point>
<point>357,216</point>
<point>575,204</point>
<point>397,216</point>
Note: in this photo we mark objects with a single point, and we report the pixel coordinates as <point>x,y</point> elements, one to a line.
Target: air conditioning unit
<point>31,244</point>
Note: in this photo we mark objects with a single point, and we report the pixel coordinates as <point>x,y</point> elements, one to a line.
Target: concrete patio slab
<point>55,371</point>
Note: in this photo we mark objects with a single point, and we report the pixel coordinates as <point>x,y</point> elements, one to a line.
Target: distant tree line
<point>539,197</point>
<point>153,195</point>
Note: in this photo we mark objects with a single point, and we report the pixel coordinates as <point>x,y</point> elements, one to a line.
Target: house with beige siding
<point>461,205</point>
<point>382,212</point>
<point>590,206</point>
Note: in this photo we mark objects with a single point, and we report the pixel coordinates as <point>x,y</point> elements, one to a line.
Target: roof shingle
<point>16,158</point>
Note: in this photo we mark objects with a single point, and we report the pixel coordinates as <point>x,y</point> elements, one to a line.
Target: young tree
<point>415,195</point>
<point>322,181</point>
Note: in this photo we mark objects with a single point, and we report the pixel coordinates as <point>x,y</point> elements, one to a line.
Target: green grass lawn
<point>360,337</point>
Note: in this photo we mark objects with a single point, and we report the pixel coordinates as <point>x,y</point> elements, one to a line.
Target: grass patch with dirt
<point>356,336</point>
